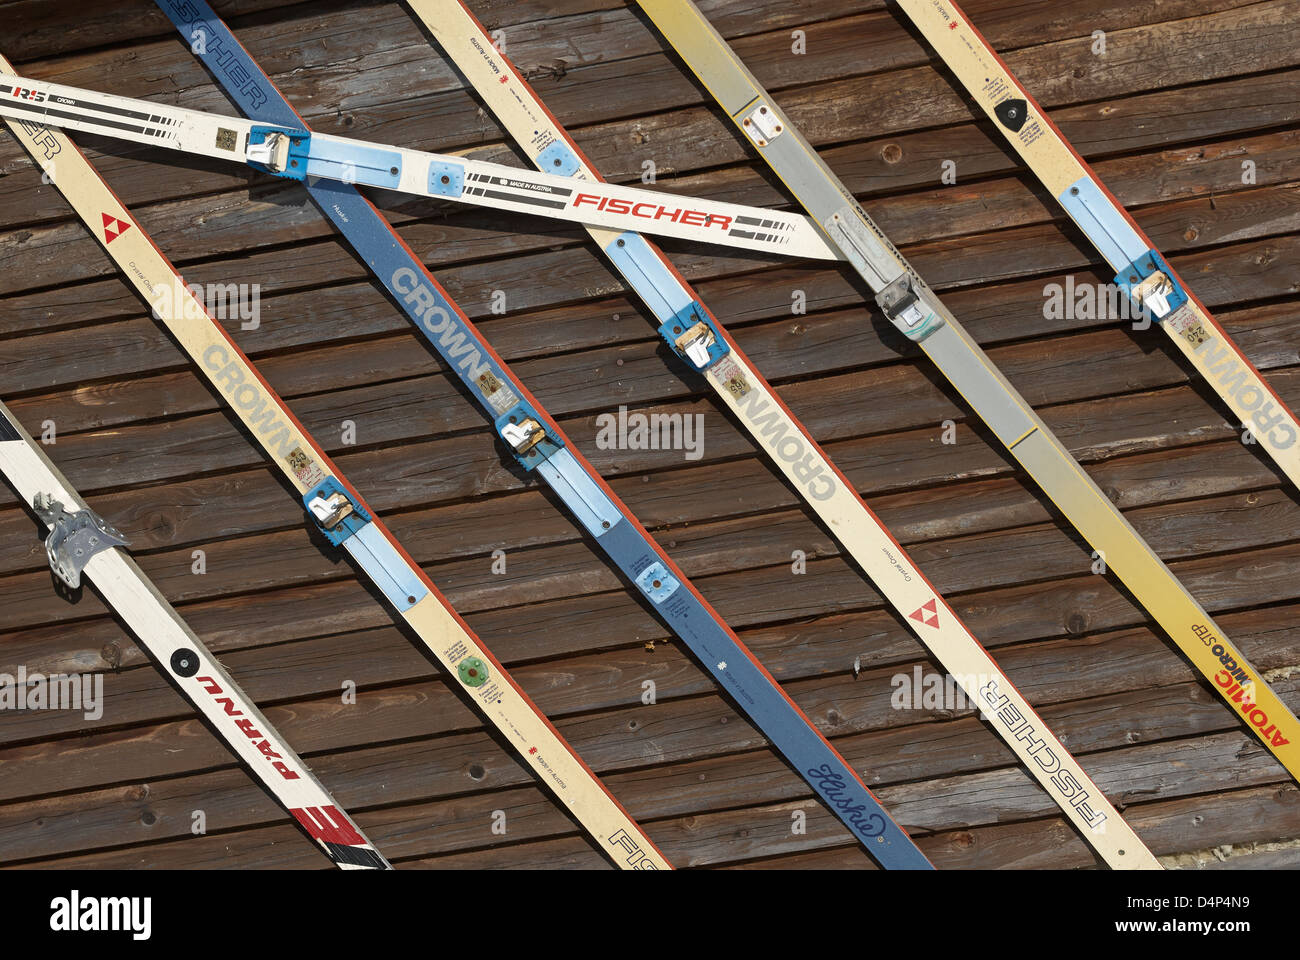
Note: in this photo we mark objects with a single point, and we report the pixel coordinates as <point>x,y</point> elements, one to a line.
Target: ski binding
<point>1151,284</point>
<point>74,538</point>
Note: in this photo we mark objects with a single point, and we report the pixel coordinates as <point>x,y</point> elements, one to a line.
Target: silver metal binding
<point>74,538</point>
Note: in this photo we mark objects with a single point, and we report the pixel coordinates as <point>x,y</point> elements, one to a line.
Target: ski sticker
<point>473,672</point>
<point>305,468</point>
<point>926,613</point>
<point>113,227</point>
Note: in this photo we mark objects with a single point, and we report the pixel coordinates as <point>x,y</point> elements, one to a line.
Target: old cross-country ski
<point>1140,269</point>
<point>297,153</point>
<point>333,506</point>
<point>705,346</point>
<point>540,447</point>
<point>914,309</point>
<point>80,543</point>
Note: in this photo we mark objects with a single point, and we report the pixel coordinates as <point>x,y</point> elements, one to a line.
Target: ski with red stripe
<point>537,443</point>
<point>709,350</point>
<point>335,508</point>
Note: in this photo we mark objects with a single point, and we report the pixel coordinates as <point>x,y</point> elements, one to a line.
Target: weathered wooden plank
<point>709,838</point>
<point>566,566</point>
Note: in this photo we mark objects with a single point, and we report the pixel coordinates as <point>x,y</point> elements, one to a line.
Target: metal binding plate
<point>906,310</point>
<point>74,538</point>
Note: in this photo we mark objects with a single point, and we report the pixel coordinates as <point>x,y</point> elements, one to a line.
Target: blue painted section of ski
<point>648,276</point>
<point>357,533</point>
<point>721,652</point>
<point>1089,207</point>
<point>558,158</point>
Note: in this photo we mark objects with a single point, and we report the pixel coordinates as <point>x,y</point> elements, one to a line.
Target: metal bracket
<point>74,538</point>
<point>580,493</point>
<point>1151,284</point>
<point>336,514</point>
<point>524,431</point>
<point>645,270</point>
<point>694,338</point>
<point>906,310</point>
<point>657,583</point>
<point>293,153</point>
<point>279,150</point>
<point>762,124</point>
<point>1099,218</point>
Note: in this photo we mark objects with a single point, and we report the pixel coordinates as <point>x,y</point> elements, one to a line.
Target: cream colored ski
<point>335,505</point>
<point>914,309</point>
<point>784,438</point>
<point>1139,266</point>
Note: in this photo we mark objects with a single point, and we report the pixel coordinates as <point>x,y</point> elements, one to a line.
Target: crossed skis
<point>277,139</point>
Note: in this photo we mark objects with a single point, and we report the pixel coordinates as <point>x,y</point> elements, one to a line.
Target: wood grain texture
<point>153,450</point>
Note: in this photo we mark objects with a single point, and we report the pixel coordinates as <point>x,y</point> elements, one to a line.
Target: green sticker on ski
<point>473,672</point>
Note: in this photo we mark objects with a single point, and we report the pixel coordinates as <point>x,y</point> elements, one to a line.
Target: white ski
<point>80,542</point>
<point>296,153</point>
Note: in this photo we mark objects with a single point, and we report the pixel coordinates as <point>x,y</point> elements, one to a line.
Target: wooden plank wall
<point>1187,90</point>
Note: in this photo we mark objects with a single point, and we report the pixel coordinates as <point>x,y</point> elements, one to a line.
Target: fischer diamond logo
<point>113,227</point>
<point>927,613</point>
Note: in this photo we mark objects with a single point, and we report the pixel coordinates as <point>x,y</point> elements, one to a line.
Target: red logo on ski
<point>113,227</point>
<point>927,613</point>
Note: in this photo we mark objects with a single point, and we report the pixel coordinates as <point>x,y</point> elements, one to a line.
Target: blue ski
<point>540,447</point>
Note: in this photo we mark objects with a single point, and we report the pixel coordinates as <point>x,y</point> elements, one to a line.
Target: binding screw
<point>445,179</point>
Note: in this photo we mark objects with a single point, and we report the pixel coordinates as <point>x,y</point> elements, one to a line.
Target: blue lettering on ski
<point>835,789</point>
